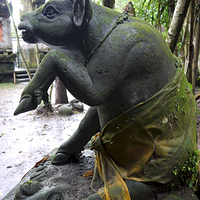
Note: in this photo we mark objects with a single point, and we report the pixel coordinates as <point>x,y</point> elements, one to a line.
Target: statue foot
<point>62,159</point>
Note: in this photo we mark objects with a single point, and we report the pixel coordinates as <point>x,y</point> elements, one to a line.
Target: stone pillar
<point>5,37</point>
<point>7,57</point>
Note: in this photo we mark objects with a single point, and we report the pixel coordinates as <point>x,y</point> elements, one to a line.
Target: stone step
<point>22,80</point>
<point>22,75</point>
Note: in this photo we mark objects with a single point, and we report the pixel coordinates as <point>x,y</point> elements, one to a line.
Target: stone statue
<point>142,114</point>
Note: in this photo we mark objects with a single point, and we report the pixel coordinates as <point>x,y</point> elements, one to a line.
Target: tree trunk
<point>184,43</point>
<point>177,22</point>
<point>36,46</point>
<point>108,3</point>
<point>191,49</point>
<point>60,92</point>
<point>194,63</point>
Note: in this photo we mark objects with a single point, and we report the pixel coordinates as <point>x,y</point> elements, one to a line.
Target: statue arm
<point>36,90</point>
<point>86,86</point>
<point>90,84</point>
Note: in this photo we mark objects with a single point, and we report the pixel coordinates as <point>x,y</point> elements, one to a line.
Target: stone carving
<point>141,116</point>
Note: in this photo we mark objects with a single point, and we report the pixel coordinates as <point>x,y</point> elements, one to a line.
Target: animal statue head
<point>70,15</point>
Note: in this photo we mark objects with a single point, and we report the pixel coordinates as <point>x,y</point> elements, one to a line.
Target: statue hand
<point>30,102</point>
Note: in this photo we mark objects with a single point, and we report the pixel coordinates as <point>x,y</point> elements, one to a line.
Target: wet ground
<point>26,138</point>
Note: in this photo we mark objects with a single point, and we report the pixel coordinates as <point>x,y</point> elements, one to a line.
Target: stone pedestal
<point>6,67</point>
<point>72,181</point>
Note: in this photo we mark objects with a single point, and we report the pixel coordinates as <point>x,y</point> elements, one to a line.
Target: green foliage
<point>191,86</point>
<point>198,78</point>
<point>156,12</point>
<point>120,5</point>
<point>6,84</point>
<point>99,2</point>
<point>188,172</point>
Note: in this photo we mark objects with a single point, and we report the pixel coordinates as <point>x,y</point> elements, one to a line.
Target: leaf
<point>88,173</point>
<point>2,134</point>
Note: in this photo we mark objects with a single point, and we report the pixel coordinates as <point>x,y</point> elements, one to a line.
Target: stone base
<point>72,181</point>
<point>6,78</point>
<point>47,181</point>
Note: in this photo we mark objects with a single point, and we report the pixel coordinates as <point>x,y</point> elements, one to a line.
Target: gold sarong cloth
<point>147,142</point>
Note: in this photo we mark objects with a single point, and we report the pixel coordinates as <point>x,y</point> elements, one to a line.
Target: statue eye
<point>50,11</point>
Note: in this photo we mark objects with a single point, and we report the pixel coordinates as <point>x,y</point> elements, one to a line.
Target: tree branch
<point>177,22</point>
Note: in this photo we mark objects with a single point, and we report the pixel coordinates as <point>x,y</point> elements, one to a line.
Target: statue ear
<point>82,12</point>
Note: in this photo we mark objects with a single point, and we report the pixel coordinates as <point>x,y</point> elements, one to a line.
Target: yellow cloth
<point>146,143</point>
